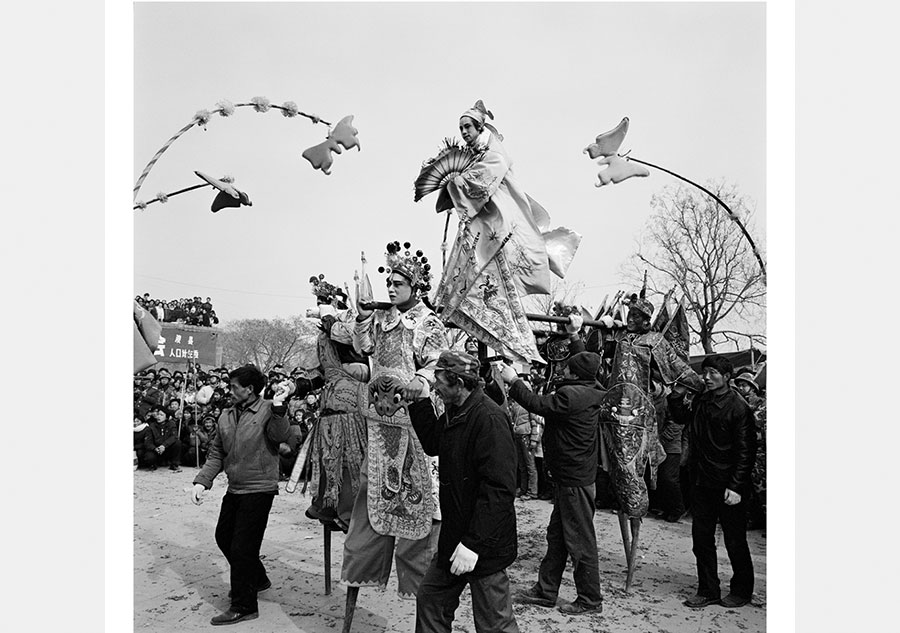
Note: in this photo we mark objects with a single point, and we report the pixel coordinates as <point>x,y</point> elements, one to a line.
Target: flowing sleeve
<point>475,186</point>
<point>343,327</point>
<point>430,340</point>
<point>673,367</point>
<point>364,335</point>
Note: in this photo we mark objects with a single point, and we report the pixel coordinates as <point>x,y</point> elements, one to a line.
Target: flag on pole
<point>678,332</point>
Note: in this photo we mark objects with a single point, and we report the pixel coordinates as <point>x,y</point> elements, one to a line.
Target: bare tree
<point>561,291</point>
<point>267,342</point>
<point>693,245</point>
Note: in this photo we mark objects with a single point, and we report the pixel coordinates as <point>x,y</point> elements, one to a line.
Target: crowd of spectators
<point>176,412</point>
<point>191,311</point>
<point>175,415</point>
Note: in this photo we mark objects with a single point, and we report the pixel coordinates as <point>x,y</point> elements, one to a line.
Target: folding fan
<point>453,159</point>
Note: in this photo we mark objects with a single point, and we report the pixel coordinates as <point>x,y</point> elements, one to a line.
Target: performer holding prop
<point>338,438</point>
<point>396,504</point>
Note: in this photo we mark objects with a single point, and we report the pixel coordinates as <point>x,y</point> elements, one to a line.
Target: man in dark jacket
<point>720,458</point>
<point>571,418</point>
<point>245,446</point>
<point>165,438</point>
<point>474,442</point>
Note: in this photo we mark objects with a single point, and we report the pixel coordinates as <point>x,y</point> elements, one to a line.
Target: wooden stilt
<point>350,608</point>
<point>632,559</point>
<point>626,536</point>
<point>327,546</point>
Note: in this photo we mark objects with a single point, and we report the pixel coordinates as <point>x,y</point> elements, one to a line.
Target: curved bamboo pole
<point>731,213</point>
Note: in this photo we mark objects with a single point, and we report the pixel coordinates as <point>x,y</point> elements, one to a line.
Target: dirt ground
<point>181,578</point>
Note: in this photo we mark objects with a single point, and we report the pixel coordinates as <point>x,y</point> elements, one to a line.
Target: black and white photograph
<point>452,316</point>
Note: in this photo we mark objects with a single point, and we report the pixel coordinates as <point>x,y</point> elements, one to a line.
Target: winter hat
<point>585,365</point>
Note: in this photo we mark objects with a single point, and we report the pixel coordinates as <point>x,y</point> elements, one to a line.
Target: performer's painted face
<point>399,289</point>
<point>713,379</point>
<point>468,130</point>
<point>637,321</point>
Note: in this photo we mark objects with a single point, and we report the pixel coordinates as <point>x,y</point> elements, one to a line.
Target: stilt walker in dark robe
<point>643,362</point>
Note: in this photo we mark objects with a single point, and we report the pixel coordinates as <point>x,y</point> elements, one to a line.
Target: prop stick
<point>444,243</point>
<point>169,195</point>
<point>602,307</point>
<point>632,559</point>
<point>300,464</point>
<point>656,324</point>
<point>541,318</point>
<point>181,407</point>
<point>731,214</point>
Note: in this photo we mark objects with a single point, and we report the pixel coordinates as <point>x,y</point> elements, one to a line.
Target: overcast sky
<point>691,77</point>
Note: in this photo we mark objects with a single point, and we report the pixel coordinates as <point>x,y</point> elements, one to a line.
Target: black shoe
<point>698,601</point>
<point>233,617</point>
<point>532,596</point>
<point>175,468</point>
<point>674,517</point>
<point>732,601</point>
<point>579,608</point>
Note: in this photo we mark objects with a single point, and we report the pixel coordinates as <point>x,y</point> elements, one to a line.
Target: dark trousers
<point>239,534</point>
<point>667,496</point>
<point>606,497</point>
<point>571,533</point>
<point>708,507</point>
<point>438,597</point>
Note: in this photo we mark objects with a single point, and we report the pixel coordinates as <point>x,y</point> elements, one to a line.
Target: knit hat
<point>460,363</point>
<point>585,365</point>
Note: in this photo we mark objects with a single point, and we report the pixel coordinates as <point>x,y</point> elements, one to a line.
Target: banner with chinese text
<point>179,343</point>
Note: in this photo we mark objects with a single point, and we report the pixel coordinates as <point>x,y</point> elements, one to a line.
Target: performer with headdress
<point>339,435</point>
<point>396,503</point>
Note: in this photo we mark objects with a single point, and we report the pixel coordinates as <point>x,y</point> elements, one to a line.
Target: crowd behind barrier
<point>175,415</point>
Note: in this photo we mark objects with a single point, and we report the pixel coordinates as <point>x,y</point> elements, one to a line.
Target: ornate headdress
<point>324,291</point>
<point>414,267</point>
<point>481,114</point>
<point>640,304</point>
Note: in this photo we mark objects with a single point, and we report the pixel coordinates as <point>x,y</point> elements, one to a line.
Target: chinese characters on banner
<point>180,343</point>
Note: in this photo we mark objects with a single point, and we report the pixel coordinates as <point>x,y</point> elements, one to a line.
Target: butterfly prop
<point>607,145</point>
<point>343,135</point>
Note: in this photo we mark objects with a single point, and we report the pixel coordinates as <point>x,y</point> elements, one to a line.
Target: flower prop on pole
<point>619,167</point>
<point>343,134</point>
<point>228,195</point>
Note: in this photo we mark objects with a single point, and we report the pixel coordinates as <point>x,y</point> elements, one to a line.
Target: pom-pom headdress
<point>413,266</point>
<point>324,291</point>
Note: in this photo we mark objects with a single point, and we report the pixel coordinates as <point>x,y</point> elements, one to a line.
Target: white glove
<point>607,321</point>
<point>575,323</point>
<point>197,494</point>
